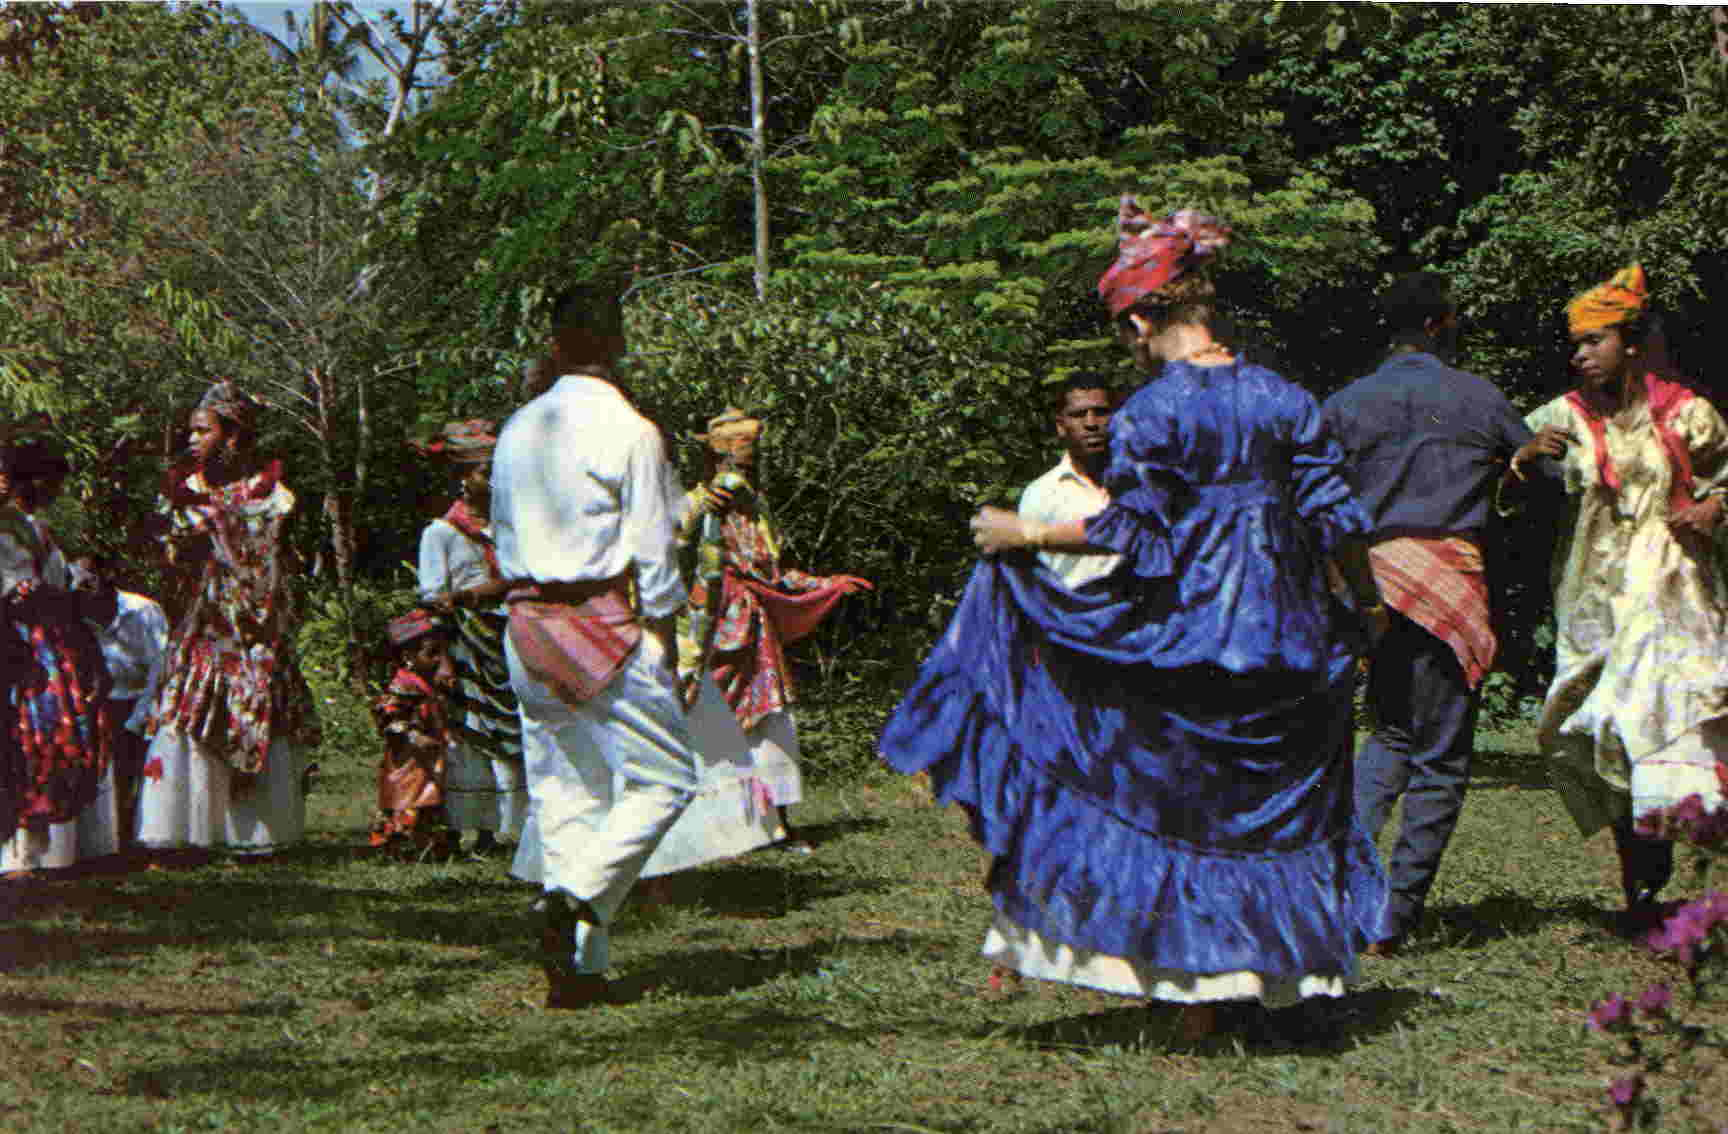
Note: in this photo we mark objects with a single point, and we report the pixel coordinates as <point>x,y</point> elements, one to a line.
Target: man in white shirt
<point>584,502</point>
<point>133,633</point>
<point>1073,489</point>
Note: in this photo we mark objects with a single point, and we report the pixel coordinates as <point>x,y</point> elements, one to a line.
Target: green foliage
<point>96,100</point>
<point>888,425</point>
<point>940,179</point>
<point>342,637</point>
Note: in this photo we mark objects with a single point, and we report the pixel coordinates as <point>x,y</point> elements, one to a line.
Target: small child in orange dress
<point>410,717</point>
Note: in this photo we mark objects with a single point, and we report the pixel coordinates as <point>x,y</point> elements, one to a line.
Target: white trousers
<point>732,812</point>
<point>607,781</point>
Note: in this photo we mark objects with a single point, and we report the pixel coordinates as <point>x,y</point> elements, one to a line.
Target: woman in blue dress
<point>1160,764</point>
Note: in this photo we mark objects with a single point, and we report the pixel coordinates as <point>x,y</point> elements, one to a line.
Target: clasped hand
<point>996,530</point>
<point>1550,441</point>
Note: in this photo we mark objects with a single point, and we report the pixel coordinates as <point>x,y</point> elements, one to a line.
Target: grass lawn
<point>840,992</point>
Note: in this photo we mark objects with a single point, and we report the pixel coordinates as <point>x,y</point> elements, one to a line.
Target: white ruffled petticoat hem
<point>92,833</point>
<point>1031,955</point>
<point>774,757</point>
<point>189,801</point>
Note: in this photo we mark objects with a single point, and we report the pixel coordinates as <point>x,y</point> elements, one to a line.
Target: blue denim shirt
<point>1426,443</point>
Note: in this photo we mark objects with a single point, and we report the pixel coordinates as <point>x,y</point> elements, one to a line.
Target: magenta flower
<point>1625,1092</point>
<point>1686,929</point>
<point>1611,1015</point>
<point>1655,1000</point>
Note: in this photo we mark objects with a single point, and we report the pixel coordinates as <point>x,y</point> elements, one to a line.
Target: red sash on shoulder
<point>1665,397</point>
<point>574,637</point>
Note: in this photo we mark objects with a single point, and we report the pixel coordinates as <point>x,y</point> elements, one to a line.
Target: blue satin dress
<point>1161,763</point>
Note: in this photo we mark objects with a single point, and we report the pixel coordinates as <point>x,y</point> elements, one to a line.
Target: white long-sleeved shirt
<point>1057,497</point>
<point>582,490</point>
<point>132,643</point>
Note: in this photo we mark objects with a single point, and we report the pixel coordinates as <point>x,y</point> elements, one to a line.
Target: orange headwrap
<point>1608,304</point>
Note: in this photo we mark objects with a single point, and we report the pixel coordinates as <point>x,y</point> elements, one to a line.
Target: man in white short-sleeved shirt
<point>1073,489</point>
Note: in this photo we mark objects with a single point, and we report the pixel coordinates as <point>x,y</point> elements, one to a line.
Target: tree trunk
<point>758,146</point>
<point>339,510</point>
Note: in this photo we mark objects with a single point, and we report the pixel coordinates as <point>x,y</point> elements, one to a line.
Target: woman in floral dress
<point>762,607</point>
<point>1637,717</point>
<point>56,787</point>
<point>234,716</point>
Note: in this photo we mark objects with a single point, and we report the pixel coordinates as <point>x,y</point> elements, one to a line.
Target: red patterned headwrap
<point>417,623</point>
<point>1153,255</point>
<point>461,442</point>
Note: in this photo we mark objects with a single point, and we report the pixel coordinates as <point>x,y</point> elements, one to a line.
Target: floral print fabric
<point>232,681</point>
<point>765,607</point>
<point>410,717</point>
<point>57,734</point>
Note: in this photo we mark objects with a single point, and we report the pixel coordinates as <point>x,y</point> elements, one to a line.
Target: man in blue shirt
<point>1427,445</point>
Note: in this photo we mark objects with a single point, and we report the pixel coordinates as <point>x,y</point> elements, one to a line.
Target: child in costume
<point>411,718</point>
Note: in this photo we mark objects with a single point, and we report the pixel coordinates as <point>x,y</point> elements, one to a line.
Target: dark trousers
<point>1424,736</point>
<point>128,755</point>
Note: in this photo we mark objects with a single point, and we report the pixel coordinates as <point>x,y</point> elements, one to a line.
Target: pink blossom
<point>1625,1092</point>
<point>1611,1015</point>
<point>1655,1000</point>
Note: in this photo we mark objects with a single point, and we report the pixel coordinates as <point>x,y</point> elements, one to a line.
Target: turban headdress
<point>1609,304</point>
<point>226,401</point>
<point>731,419</point>
<point>414,625</point>
<point>461,442</point>
<point>1152,255</point>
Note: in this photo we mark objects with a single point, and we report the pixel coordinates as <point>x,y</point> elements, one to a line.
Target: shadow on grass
<point>1318,1027</point>
<point>723,971</point>
<point>762,885</point>
<point>817,834</point>
<point>440,1059</point>
<point>1499,916</point>
<point>1494,770</point>
<point>218,908</point>
<point>14,1006</point>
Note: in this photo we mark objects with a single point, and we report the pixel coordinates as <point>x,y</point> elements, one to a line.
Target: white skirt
<point>733,811</point>
<point>92,833</point>
<point>191,802</point>
<point>774,757</point>
<point>1032,955</point>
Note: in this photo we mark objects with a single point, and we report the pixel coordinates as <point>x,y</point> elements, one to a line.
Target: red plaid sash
<point>1440,585</point>
<point>574,637</point>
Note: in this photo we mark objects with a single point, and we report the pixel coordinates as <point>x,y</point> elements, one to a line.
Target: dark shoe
<point>1385,947</point>
<point>557,936</point>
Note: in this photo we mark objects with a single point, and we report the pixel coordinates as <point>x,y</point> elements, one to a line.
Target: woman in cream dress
<point>1637,717</point>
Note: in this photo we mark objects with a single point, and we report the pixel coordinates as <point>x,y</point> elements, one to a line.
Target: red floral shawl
<point>1665,398</point>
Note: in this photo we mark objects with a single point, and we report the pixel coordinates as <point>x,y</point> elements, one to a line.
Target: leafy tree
<point>94,97</point>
